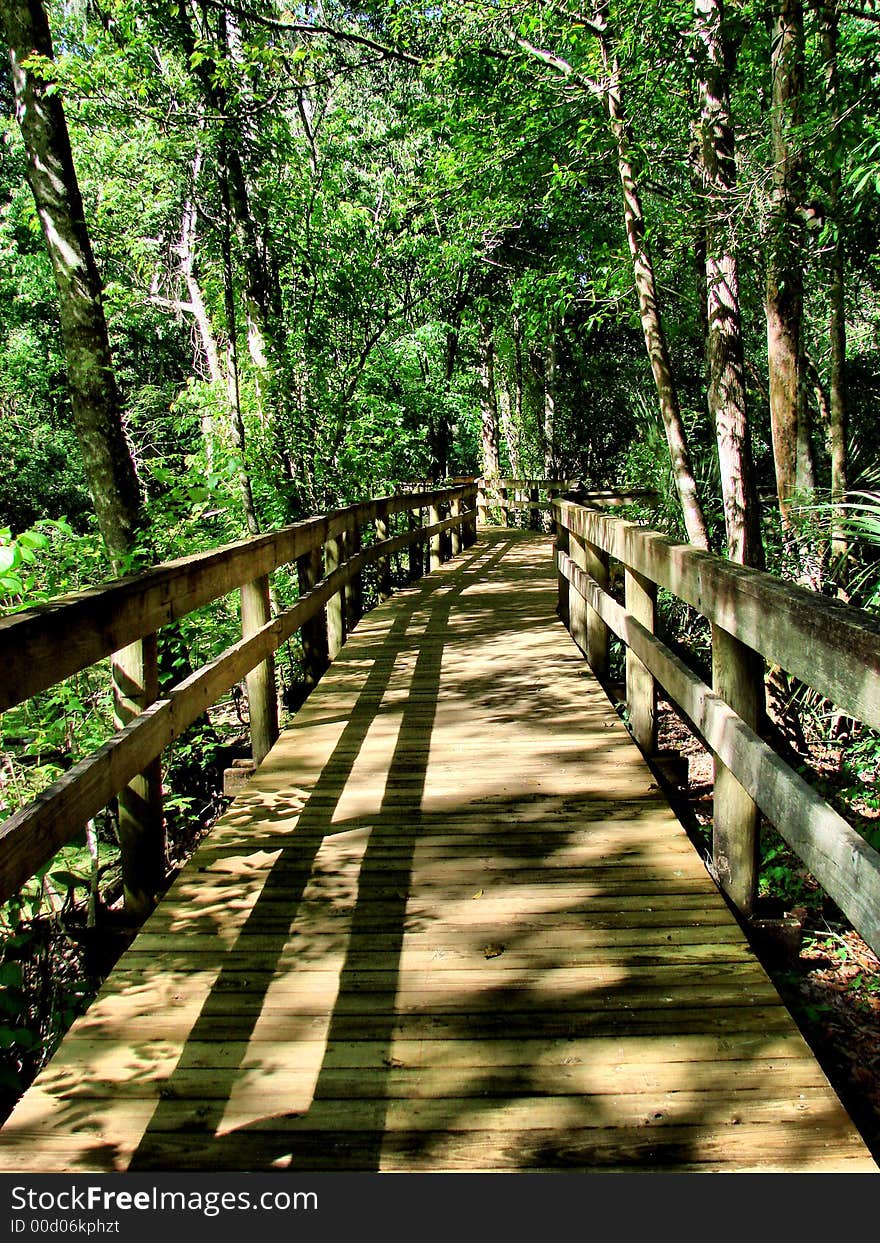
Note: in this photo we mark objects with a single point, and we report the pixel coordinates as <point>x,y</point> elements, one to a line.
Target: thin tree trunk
<point>784,284</point>
<point>724,348</point>
<point>837,395</point>
<point>187,254</point>
<point>488,403</point>
<point>506,406</point>
<point>234,390</point>
<point>550,361</point>
<point>95,402</point>
<point>518,374</point>
<point>806,454</point>
<point>211,432</point>
<point>257,292</point>
<point>649,307</point>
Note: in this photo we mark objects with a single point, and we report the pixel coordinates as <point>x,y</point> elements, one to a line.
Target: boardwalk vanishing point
<point>451,925</point>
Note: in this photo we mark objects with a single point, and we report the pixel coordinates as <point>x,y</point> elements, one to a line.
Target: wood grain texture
<point>830,646</point>
<point>42,645</point>
<point>843,862</point>
<point>450,925</point>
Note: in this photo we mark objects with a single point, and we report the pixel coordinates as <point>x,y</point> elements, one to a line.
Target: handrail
<point>43,645</point>
<point>831,647</point>
<point>536,496</point>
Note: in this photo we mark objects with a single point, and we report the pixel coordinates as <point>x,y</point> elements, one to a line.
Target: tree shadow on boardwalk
<point>573,1056</point>
<point>289,877</point>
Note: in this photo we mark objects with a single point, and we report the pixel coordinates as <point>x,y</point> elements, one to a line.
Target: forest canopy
<point>342,247</point>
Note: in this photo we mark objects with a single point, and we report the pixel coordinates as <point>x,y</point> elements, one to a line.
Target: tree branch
<point>308,28</point>
<point>562,66</point>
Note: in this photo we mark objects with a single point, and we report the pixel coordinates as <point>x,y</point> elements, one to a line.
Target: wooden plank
<point>701,1055</point>
<point>830,646</point>
<point>641,694</point>
<point>262,694</point>
<point>396,951</point>
<point>140,820</point>
<point>43,645</point>
<point>738,678</point>
<point>846,866</point>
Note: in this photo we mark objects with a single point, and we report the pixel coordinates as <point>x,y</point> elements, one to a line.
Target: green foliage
<point>384,212</point>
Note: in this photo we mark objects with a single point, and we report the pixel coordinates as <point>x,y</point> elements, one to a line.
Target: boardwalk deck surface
<point>452,925</point>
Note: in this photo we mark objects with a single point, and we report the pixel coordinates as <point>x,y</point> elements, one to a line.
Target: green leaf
<point>69,879</point>
<point>11,975</point>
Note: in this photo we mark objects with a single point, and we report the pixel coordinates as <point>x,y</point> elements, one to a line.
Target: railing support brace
<point>135,671</point>
<point>313,633</point>
<point>336,603</point>
<point>641,692</point>
<point>598,635</point>
<point>562,585</point>
<point>262,695</point>
<point>354,595</point>
<point>455,533</point>
<point>383,565</point>
<point>416,551</point>
<point>436,545</point>
<point>738,677</point>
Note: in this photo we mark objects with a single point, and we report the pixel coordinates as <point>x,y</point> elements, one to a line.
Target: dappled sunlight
<point>452,924</point>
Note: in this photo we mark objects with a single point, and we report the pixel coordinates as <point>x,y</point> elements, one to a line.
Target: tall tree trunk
<point>649,306</point>
<point>94,396</point>
<point>97,414</point>
<point>837,396</point>
<point>784,286</point>
<point>509,430</point>
<point>257,284</point>
<point>517,410</point>
<point>488,403</point>
<point>234,390</point>
<point>210,349</point>
<point>550,360</point>
<point>724,348</point>
<point>186,253</point>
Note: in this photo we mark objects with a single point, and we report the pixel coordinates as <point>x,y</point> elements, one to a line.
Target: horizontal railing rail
<point>506,496</point>
<point>827,645</point>
<point>41,646</point>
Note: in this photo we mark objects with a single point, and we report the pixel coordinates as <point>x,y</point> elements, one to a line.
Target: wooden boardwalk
<point>452,925</point>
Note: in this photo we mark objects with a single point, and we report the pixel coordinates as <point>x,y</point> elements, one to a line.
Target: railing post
<point>471,524</point>
<point>416,550</point>
<point>737,676</point>
<point>562,584</point>
<point>336,604</point>
<point>262,695</point>
<point>505,512</point>
<point>577,605</point>
<point>455,533</point>
<point>313,633</point>
<point>640,595</point>
<point>135,672</point>
<point>534,513</point>
<point>596,565</point>
<point>354,596</point>
<point>436,554</point>
<point>383,565</point>
<point>482,503</point>
<point>552,494</point>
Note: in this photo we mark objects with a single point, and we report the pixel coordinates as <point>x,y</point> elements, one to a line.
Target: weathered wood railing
<point>505,497</point>
<point>830,647</point>
<point>44,645</point>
